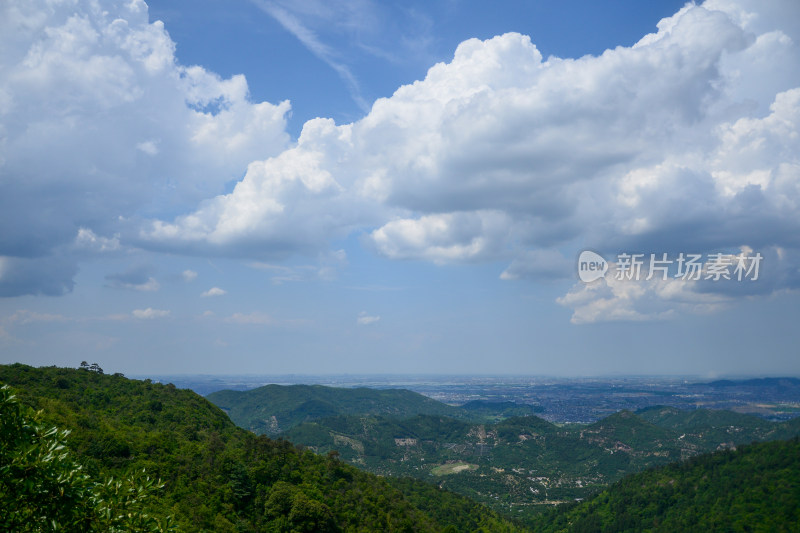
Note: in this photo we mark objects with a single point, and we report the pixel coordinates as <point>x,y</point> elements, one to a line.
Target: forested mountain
<point>522,465</point>
<point>754,488</point>
<point>218,477</point>
<point>272,409</point>
<point>499,410</point>
<point>701,419</point>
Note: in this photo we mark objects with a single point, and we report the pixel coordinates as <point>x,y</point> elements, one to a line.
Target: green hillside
<point>704,420</point>
<point>755,488</point>
<point>272,409</point>
<point>626,431</point>
<point>698,427</point>
<point>523,465</point>
<point>500,410</point>
<point>218,477</point>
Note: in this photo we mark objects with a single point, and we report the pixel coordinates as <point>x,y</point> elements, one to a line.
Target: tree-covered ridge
<point>218,477</point>
<point>491,409</point>
<point>754,488</point>
<point>272,409</point>
<point>681,419</point>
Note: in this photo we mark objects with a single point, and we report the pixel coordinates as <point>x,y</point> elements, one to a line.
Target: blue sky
<point>360,187</point>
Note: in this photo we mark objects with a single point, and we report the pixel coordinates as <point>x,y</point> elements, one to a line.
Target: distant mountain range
<point>783,383</point>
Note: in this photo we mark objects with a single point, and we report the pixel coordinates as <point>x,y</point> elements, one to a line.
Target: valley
<point>518,465</point>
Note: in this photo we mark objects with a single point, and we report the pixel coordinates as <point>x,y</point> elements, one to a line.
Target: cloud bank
<point>688,140</point>
<point>99,126</point>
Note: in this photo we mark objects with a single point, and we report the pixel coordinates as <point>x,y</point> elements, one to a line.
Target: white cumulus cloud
<point>500,153</point>
<point>98,121</point>
<point>214,291</point>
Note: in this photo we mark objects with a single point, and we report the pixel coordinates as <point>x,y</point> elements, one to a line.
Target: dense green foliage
<point>460,515</point>
<point>42,488</point>
<point>755,488</point>
<point>272,409</point>
<point>219,477</point>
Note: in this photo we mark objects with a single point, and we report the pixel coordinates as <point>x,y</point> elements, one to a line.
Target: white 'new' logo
<point>591,266</point>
